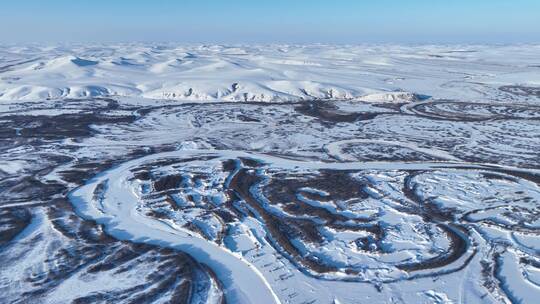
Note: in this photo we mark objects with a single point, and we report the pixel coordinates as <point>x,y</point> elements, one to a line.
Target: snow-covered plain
<point>269,174</point>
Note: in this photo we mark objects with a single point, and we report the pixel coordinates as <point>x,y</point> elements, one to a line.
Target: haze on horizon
<point>277,21</point>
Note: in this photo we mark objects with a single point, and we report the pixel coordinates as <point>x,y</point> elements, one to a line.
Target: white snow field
<point>145,173</point>
<point>262,73</point>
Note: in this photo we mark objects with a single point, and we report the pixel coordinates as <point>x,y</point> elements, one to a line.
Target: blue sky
<point>262,21</point>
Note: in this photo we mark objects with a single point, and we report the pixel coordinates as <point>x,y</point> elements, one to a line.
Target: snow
<point>435,130</point>
<point>268,73</point>
<point>245,281</point>
<point>13,166</point>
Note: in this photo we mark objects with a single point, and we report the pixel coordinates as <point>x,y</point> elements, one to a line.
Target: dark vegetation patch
<point>329,114</point>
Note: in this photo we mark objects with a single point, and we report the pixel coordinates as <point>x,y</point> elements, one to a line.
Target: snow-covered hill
<point>268,73</point>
